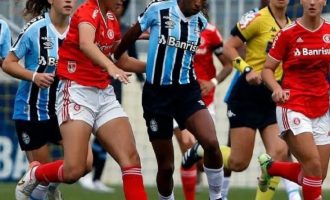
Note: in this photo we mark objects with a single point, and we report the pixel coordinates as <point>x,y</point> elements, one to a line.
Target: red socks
<point>133,183</point>
<point>189,178</point>
<point>312,188</point>
<point>288,170</point>
<point>50,172</point>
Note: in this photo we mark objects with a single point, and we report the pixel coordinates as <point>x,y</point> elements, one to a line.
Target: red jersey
<point>306,57</point>
<point>73,64</point>
<point>211,42</point>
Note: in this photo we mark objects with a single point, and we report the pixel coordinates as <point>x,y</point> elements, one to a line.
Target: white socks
<point>214,179</point>
<point>171,197</point>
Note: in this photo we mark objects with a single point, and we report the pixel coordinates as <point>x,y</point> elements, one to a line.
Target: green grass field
<point>75,192</point>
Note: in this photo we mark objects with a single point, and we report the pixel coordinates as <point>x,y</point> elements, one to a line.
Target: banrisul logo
<point>311,52</point>
<point>173,42</point>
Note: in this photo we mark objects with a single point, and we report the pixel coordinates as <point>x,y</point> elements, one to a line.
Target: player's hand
<point>119,74</point>
<point>280,96</point>
<point>43,80</point>
<point>253,78</point>
<point>206,86</point>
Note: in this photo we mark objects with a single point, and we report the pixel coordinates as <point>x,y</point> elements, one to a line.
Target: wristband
<point>240,64</point>
<point>214,81</point>
<point>34,76</point>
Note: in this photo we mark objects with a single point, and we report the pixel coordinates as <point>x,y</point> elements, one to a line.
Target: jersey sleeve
<point>279,48</point>
<point>217,42</point>
<point>88,16</point>
<point>23,43</point>
<point>249,24</point>
<point>146,18</point>
<point>5,41</point>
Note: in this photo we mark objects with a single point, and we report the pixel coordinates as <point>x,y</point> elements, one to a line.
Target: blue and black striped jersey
<point>5,39</point>
<point>38,44</point>
<point>173,42</point>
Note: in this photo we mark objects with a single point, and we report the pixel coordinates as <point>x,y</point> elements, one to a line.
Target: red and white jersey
<point>211,42</point>
<point>306,57</point>
<point>73,64</point>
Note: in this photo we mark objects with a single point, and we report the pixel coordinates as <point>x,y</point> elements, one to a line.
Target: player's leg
<point>99,159</point>
<point>33,139</point>
<point>115,133</point>
<point>201,125</point>
<point>116,136</point>
<point>297,131</point>
<point>188,176</point>
<point>292,189</point>
<point>277,149</point>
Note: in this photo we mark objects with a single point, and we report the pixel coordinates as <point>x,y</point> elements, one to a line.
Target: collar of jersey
<point>182,16</point>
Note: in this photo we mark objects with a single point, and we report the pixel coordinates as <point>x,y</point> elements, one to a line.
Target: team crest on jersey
<point>247,19</point>
<point>326,38</point>
<point>95,12</point>
<point>110,34</point>
<point>72,65</point>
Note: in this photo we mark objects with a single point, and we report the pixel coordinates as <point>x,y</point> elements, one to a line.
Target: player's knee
<point>211,148</point>
<point>166,170</point>
<point>238,165</point>
<point>280,154</point>
<point>129,159</point>
<point>312,166</point>
<point>71,175</point>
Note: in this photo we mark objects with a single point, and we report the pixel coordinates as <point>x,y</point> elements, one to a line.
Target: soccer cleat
<point>101,187</point>
<point>54,193</point>
<point>264,180</point>
<point>28,182</point>
<point>192,155</point>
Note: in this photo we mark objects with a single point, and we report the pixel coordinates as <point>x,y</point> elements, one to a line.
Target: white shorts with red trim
<point>90,104</point>
<point>298,123</point>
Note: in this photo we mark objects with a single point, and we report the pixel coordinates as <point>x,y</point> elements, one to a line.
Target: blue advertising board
<point>13,162</point>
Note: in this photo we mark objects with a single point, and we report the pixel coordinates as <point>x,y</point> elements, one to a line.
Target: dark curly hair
<point>34,8</point>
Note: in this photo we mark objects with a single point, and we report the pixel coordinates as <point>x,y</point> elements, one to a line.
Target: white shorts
<point>299,123</point>
<point>90,104</point>
<point>211,109</point>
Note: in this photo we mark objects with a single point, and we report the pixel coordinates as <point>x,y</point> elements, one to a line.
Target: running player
<point>34,109</point>
<point>211,43</point>
<point>86,103</point>
<point>171,89</point>
<point>302,100</point>
<point>249,104</point>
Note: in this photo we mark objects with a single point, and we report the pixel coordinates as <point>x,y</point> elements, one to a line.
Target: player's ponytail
<point>34,8</point>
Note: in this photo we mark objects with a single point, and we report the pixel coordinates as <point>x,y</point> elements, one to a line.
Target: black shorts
<point>33,135</point>
<point>163,103</point>
<point>250,106</point>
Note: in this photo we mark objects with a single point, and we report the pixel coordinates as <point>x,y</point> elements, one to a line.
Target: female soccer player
<point>171,90</point>
<point>34,109</point>
<point>86,102</point>
<point>250,107</point>
<point>302,99</point>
